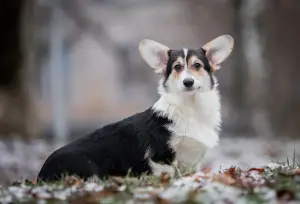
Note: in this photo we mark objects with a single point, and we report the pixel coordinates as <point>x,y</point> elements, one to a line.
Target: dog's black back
<point>114,149</point>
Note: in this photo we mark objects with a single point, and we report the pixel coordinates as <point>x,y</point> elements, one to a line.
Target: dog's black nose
<point>188,83</point>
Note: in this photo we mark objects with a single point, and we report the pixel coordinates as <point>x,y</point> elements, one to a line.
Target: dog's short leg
<point>158,169</point>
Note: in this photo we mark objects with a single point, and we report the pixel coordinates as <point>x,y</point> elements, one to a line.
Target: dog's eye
<point>197,65</point>
<point>177,67</point>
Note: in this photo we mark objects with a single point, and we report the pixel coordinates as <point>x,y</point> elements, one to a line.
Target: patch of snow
<point>93,187</point>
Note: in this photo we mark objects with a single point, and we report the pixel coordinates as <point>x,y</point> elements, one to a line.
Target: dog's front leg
<point>159,168</point>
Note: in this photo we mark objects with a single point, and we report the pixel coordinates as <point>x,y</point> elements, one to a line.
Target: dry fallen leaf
<point>260,170</point>
<point>205,170</point>
<point>224,178</point>
<point>165,179</point>
<point>73,181</point>
<point>297,171</point>
<point>232,172</point>
<point>160,200</point>
<point>118,180</point>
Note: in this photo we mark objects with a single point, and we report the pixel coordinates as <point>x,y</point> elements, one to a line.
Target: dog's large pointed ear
<point>155,54</point>
<point>218,50</point>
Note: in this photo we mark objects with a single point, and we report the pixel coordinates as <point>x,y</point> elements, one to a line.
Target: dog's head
<point>187,70</point>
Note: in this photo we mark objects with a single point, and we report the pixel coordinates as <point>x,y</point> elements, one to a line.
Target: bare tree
<point>253,47</point>
<point>17,115</point>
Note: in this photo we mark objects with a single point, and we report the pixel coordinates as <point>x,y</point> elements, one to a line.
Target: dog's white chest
<point>194,126</point>
<point>191,140</point>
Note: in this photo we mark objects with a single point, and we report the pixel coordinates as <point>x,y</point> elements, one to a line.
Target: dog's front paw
<point>158,169</point>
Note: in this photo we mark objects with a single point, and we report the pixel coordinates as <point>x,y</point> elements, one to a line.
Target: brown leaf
<point>228,177</point>
<point>73,181</point>
<point>106,192</point>
<point>165,179</point>
<point>160,200</point>
<point>224,178</point>
<point>118,180</point>
<point>232,172</point>
<point>260,170</point>
<point>206,170</point>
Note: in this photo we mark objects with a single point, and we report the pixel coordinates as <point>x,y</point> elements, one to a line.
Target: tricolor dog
<point>179,128</point>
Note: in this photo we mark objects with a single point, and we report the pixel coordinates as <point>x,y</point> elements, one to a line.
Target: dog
<point>178,129</point>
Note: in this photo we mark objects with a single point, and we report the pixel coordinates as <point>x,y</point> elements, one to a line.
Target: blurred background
<point>70,66</point>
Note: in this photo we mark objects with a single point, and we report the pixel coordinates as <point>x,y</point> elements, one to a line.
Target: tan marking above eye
<point>175,75</point>
<point>191,65</point>
<point>179,61</point>
<point>193,60</point>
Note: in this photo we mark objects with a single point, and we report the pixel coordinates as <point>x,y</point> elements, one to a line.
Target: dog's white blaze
<point>185,73</point>
<point>196,121</point>
<point>185,52</point>
<point>157,168</point>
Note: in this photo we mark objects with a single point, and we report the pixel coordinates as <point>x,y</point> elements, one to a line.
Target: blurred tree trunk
<point>257,69</point>
<point>281,25</point>
<point>16,66</point>
<point>242,119</point>
<point>251,70</point>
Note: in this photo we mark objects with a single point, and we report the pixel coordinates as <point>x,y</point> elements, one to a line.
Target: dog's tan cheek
<point>175,75</point>
<point>198,73</point>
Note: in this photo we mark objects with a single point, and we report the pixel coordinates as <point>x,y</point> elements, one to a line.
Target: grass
<point>273,183</point>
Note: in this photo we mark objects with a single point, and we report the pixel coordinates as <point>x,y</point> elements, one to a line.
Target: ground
<point>274,183</point>
<point>227,176</point>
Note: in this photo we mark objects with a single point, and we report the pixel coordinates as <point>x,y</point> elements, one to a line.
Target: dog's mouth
<point>191,89</point>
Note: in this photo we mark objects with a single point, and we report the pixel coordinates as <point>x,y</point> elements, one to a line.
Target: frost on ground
<point>23,160</point>
<point>273,183</point>
<point>19,161</point>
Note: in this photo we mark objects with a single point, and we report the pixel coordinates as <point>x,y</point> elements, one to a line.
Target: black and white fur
<point>180,127</point>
